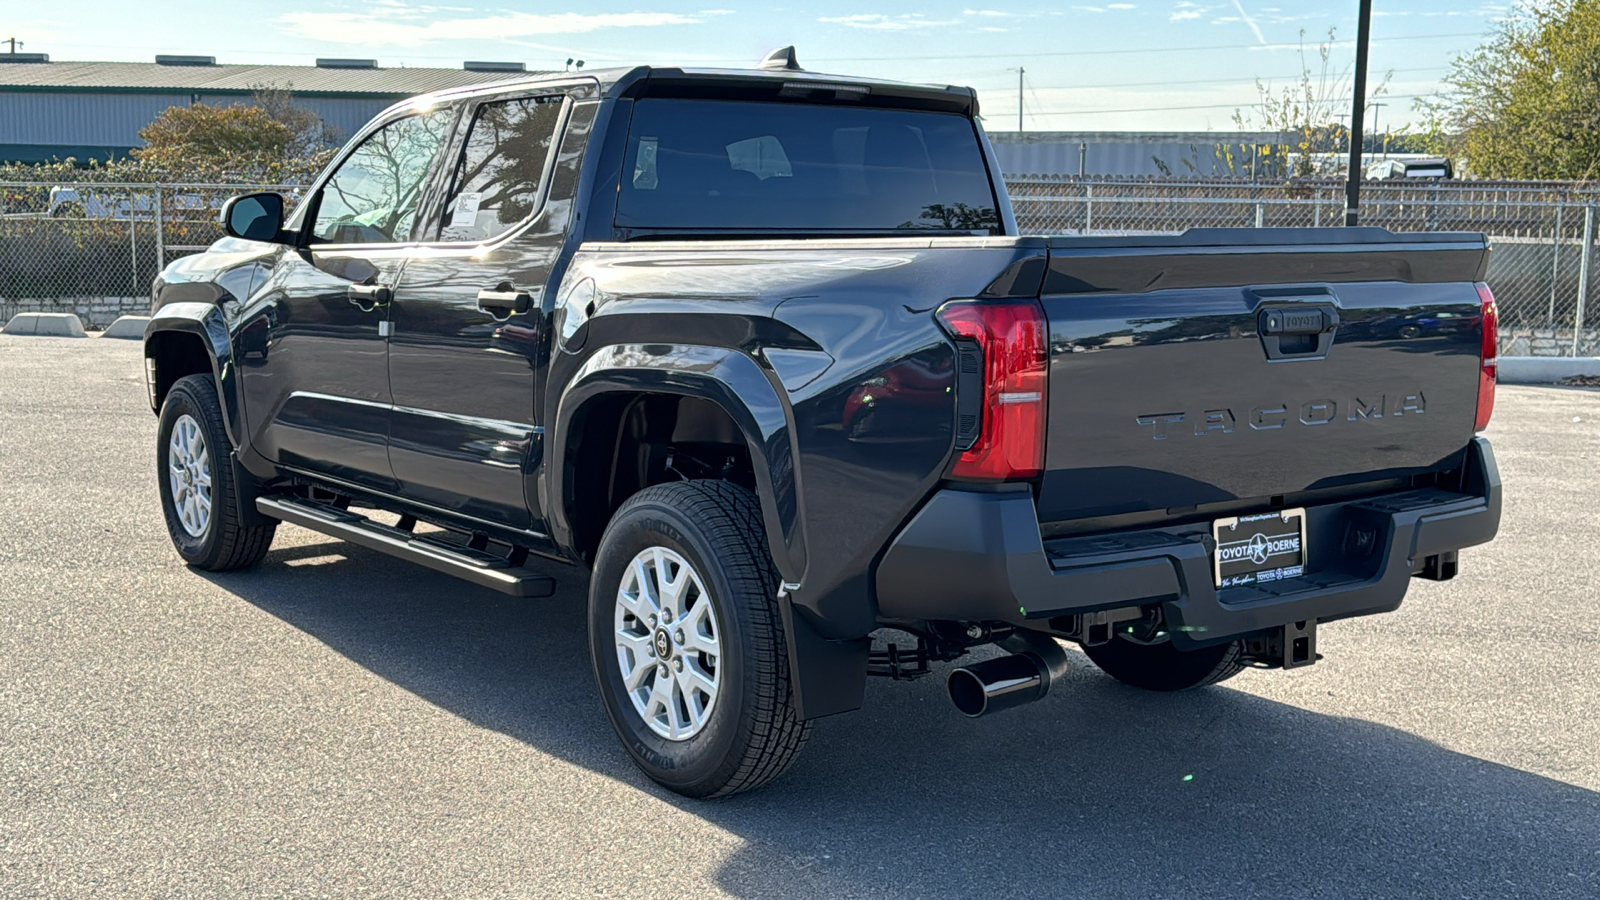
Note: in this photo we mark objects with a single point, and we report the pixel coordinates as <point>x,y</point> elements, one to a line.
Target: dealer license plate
<point>1260,548</point>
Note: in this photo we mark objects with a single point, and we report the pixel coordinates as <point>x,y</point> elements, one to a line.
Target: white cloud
<point>408,26</point>
<point>1186,11</point>
<point>1121,6</point>
<point>993,13</point>
<point>881,22</point>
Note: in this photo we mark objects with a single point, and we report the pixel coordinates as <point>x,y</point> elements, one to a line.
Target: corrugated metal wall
<point>1132,158</point>
<point>93,119</point>
<point>345,115</point>
<point>114,120</point>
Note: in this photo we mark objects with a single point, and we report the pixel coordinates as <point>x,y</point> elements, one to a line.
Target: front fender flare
<point>729,378</point>
<point>205,321</point>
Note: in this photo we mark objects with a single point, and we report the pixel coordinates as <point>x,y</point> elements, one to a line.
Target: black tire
<point>223,543</point>
<point>751,734</point>
<point>1163,667</point>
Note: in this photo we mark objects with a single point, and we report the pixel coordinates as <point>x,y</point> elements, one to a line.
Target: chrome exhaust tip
<point>997,684</point>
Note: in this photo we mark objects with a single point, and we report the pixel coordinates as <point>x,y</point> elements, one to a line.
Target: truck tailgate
<point>1227,365</point>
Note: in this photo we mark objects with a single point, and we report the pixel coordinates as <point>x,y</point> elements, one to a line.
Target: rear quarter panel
<point>844,333</point>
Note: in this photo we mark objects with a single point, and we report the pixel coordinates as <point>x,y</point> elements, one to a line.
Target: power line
<point>1412,37</point>
<point>936,57</point>
<point>1139,109</point>
<point>1036,103</point>
<point>1197,81</point>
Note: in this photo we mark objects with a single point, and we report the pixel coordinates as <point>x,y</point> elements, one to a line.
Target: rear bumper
<point>978,556</point>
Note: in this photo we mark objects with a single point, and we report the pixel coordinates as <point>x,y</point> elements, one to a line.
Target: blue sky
<point>1135,64</point>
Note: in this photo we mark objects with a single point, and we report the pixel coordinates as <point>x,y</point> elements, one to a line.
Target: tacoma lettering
<point>1280,415</point>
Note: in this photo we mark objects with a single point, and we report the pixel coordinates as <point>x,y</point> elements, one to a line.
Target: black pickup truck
<point>761,355</point>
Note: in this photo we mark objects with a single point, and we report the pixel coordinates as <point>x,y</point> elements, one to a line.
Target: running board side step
<point>476,566</point>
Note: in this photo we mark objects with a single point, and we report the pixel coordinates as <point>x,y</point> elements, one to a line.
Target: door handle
<point>368,297</point>
<point>504,300</point>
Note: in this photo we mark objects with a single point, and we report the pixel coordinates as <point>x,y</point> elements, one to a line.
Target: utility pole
<point>14,44</point>
<point>1020,71</point>
<point>1380,143</point>
<point>1352,190</point>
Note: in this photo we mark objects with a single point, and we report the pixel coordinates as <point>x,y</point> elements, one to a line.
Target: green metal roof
<point>117,77</point>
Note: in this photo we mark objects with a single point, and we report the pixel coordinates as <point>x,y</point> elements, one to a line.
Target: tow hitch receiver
<point>1290,647</point>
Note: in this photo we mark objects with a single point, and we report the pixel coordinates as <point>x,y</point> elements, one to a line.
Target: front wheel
<point>1163,667</point>
<point>196,482</point>
<point>687,643</point>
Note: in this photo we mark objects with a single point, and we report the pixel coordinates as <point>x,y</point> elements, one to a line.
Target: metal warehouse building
<point>53,110</point>
<point>1131,153</point>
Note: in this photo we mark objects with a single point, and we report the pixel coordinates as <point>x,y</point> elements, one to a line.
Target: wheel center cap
<point>663,643</point>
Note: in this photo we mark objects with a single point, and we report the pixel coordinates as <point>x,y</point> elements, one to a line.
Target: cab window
<point>497,179</point>
<point>372,198</point>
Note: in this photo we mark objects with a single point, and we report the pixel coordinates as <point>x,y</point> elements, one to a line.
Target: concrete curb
<point>45,324</point>
<point>127,327</point>
<point>1545,369</point>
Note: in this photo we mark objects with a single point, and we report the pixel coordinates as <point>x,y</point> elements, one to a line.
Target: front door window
<point>374,195</point>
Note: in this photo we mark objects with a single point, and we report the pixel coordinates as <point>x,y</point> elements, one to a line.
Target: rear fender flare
<point>729,378</point>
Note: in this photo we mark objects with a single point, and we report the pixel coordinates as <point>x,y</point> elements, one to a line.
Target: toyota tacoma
<point>761,356</point>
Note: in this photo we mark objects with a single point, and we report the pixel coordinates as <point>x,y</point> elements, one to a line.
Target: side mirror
<point>254,217</point>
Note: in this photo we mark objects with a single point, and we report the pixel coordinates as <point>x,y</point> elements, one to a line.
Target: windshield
<point>739,165</point>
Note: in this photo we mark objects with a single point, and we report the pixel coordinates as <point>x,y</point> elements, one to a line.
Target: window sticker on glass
<point>761,156</point>
<point>465,214</point>
<point>644,167</point>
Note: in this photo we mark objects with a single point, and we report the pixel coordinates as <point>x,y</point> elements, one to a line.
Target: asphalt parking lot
<point>338,724</point>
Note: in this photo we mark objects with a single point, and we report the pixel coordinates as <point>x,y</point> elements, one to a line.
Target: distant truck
<point>761,356</point>
<point>1411,167</point>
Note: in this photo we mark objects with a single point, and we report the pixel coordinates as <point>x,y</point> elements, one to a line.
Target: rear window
<point>739,165</point>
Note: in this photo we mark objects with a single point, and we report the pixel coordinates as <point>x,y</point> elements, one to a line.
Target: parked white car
<point>113,203</point>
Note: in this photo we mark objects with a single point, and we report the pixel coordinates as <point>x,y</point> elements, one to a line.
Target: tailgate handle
<point>1297,331</point>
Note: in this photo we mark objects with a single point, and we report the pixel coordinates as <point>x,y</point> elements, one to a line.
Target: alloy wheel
<point>668,643</point>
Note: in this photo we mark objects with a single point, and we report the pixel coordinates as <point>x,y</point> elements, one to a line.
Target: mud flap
<point>245,494</point>
<point>828,677</point>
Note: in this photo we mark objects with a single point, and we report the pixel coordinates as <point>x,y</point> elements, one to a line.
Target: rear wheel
<point>196,482</point>
<point>686,641</point>
<point>1163,667</point>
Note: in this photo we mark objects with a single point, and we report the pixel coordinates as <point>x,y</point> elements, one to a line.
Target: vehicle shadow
<point>1098,791</point>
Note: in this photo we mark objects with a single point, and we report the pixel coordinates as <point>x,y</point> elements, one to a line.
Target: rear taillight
<point>1007,442</point>
<point>1488,357</point>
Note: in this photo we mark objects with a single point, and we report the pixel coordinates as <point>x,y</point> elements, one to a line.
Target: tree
<point>184,135</point>
<point>311,134</point>
<point>1526,104</point>
<point>1307,112</point>
<point>271,136</point>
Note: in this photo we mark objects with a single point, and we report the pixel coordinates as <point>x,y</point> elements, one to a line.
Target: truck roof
<point>786,83</point>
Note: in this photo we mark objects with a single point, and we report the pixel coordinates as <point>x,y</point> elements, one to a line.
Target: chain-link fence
<point>94,248</point>
<point>1543,236</point>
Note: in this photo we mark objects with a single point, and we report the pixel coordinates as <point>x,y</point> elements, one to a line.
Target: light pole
<point>1020,71</point>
